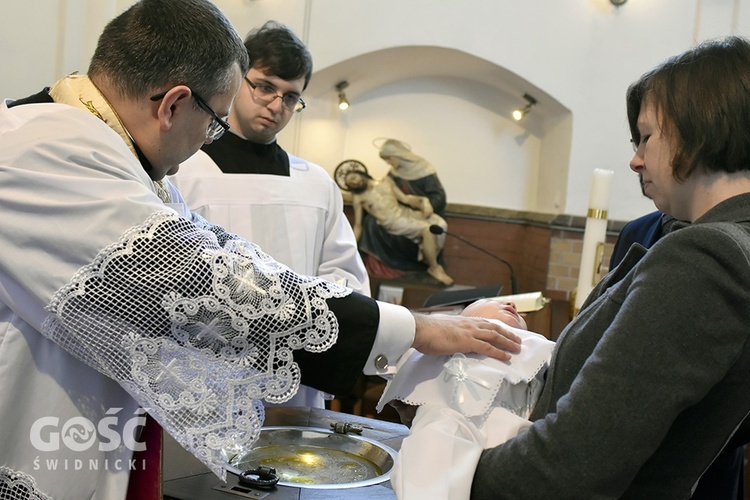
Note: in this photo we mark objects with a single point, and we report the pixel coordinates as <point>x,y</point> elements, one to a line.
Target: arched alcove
<point>454,109</point>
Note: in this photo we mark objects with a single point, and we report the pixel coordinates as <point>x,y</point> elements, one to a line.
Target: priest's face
<point>191,121</point>
<point>205,127</point>
<point>257,118</point>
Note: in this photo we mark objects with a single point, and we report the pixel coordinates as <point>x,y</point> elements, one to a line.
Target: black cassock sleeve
<point>336,370</point>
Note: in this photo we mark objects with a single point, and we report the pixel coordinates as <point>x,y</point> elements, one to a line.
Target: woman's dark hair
<point>702,98</point>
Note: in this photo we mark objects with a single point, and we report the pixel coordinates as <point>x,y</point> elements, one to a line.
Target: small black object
<point>260,477</point>
<point>462,297</point>
<point>347,427</point>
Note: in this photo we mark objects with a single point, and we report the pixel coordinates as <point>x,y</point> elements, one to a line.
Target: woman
<point>400,215</point>
<point>650,381</point>
<point>414,176</point>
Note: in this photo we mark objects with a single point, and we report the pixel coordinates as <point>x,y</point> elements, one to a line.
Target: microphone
<point>435,229</point>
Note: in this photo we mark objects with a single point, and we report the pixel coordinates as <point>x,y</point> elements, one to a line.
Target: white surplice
<point>167,314</point>
<point>299,220</point>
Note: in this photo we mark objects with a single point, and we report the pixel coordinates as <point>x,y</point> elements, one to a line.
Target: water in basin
<point>306,457</point>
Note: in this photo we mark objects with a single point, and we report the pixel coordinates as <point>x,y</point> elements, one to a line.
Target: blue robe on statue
<point>398,252</point>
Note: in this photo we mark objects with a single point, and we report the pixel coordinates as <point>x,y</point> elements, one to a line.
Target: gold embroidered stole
<point>79,91</point>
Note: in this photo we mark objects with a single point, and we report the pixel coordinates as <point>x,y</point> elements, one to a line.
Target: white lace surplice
<point>198,340</point>
<point>466,403</point>
<point>194,323</point>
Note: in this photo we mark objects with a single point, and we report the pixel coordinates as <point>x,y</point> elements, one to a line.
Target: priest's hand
<point>442,334</point>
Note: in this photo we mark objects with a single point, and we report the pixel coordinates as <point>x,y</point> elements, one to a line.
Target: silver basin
<point>308,457</point>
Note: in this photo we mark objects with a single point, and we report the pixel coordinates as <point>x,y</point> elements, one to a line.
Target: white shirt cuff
<point>394,337</point>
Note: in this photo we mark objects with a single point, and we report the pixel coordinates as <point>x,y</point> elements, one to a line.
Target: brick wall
<point>545,256</point>
<point>525,247</point>
<point>566,247</point>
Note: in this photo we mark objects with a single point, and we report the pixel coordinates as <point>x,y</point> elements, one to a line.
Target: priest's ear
<point>171,105</point>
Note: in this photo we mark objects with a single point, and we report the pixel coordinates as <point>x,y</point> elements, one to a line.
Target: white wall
<point>580,54</point>
<point>41,40</point>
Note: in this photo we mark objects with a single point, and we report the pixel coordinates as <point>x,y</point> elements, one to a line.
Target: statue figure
<point>414,176</point>
<point>396,213</point>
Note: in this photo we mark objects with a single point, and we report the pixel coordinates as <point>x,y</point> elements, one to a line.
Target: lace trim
<point>196,331</point>
<point>474,385</point>
<point>15,485</point>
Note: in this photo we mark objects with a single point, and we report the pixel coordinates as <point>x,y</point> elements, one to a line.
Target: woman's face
<point>653,162</point>
<point>392,161</point>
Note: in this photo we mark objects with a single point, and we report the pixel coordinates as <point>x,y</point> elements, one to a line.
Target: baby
<point>459,405</point>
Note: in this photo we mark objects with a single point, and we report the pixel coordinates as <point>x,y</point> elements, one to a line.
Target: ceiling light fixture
<point>343,101</point>
<point>617,3</point>
<point>519,113</point>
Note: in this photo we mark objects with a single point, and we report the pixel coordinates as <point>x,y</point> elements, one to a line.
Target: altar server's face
<point>258,119</point>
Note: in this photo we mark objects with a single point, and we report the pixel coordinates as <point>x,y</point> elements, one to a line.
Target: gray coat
<point>649,381</point>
